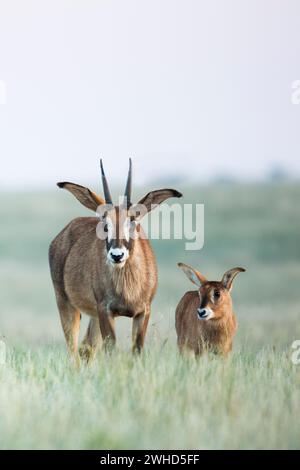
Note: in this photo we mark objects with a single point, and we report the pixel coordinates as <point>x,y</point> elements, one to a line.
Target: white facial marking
<point>205,313</point>
<point>117,251</point>
<point>110,229</point>
<point>126,229</point>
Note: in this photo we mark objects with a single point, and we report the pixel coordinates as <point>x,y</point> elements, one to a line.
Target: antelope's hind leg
<point>70,320</point>
<point>91,341</point>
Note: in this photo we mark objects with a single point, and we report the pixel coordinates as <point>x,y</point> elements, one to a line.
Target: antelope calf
<point>204,317</point>
<point>105,276</point>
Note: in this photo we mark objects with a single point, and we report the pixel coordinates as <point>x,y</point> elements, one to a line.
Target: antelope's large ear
<point>154,198</point>
<point>195,276</point>
<point>228,277</point>
<point>83,195</point>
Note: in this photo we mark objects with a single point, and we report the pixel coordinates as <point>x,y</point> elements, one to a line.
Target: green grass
<point>158,400</point>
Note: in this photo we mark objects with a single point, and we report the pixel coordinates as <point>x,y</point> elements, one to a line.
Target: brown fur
<point>85,281</point>
<point>216,334</point>
<point>81,284</point>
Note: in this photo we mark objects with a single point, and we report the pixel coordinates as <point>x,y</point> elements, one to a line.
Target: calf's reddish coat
<point>204,318</point>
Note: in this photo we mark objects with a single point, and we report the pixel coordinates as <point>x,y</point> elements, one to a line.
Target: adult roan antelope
<point>105,276</point>
<point>204,318</point>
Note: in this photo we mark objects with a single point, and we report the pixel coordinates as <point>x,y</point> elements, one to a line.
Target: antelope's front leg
<point>139,328</point>
<point>107,327</point>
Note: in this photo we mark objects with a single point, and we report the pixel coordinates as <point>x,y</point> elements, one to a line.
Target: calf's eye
<point>217,294</point>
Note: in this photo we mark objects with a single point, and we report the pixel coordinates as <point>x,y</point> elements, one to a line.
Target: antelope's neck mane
<point>128,281</point>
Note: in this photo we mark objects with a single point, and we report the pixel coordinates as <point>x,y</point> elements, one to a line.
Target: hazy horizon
<point>198,90</point>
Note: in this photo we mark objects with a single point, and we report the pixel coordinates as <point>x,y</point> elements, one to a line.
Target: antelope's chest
<point>126,296</point>
<point>123,305</point>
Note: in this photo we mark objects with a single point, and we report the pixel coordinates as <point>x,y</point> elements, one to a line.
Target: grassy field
<point>158,400</point>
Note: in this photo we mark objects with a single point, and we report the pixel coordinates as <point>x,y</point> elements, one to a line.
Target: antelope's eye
<point>217,294</point>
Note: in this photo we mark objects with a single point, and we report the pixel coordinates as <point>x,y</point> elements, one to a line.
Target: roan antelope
<point>204,318</point>
<point>108,276</point>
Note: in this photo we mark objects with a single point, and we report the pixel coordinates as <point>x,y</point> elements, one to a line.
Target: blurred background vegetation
<point>256,226</point>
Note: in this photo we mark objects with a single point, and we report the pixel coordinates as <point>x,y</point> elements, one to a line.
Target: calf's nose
<point>202,313</point>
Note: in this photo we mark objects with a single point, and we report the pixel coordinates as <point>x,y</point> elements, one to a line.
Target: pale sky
<point>185,87</point>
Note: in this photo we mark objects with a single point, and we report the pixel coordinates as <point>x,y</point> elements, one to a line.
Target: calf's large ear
<point>193,275</point>
<point>229,276</point>
<point>83,195</point>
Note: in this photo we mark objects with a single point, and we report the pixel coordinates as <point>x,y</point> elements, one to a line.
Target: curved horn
<point>127,194</point>
<point>107,195</point>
